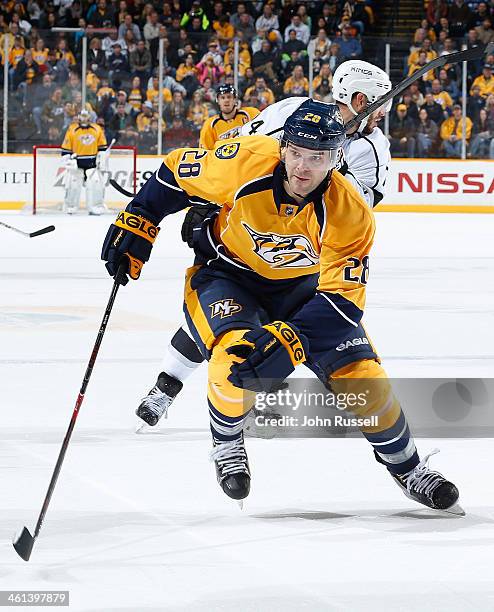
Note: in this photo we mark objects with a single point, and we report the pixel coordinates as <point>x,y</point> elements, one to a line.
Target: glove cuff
<point>289,339</point>
<point>137,225</point>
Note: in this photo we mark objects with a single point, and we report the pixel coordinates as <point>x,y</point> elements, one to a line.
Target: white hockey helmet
<point>84,117</point>
<point>357,76</point>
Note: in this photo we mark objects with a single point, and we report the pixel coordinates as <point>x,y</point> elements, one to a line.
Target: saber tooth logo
<point>278,251</point>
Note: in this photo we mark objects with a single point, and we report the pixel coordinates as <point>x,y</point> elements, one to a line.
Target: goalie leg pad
<point>95,192</point>
<point>73,186</point>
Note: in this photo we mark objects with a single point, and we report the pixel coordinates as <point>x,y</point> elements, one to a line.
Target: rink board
<point>418,185</point>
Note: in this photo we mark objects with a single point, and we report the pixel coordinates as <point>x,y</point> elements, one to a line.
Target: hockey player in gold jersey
<point>227,123</point>
<point>279,280</point>
<point>84,155</point>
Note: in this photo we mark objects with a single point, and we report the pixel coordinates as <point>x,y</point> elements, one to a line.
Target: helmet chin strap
<point>363,123</point>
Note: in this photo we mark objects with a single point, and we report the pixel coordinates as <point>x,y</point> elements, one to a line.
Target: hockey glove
<point>271,353</point>
<point>130,236</point>
<point>195,217</point>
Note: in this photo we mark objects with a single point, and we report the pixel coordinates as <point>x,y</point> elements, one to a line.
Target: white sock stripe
<point>400,456</point>
<point>395,439</point>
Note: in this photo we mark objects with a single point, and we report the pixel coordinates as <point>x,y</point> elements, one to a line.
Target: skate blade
<point>455,509</point>
<point>143,428</point>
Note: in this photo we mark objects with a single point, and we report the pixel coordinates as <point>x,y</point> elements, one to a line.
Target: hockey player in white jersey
<point>356,84</point>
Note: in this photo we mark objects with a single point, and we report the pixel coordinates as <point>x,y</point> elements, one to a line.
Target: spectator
<point>121,100</point>
<point>128,24</point>
<point>428,77</point>
<point>259,95</point>
<point>208,94</point>
<point>120,122</point>
<point>187,74</point>
<point>102,16</point>
<point>427,48</point>
<point>483,134</point>
<point>427,132</point>
<point>335,57</point>
<point>198,111</point>
<point>42,92</point>
<point>435,10</point>
<point>25,74</point>
<point>110,41</point>
<point>96,58</point>
<point>449,85</point>
<point>140,62</point>
<point>451,132</point>
<point>236,19</point>
<point>72,86</point>
<point>402,133</point>
<point>302,31</point>
<point>485,32</point>
<point>459,17</point>
<point>136,95</point>
<point>151,32</point>
<point>324,74</point>
<point>305,18</point>
<point>179,134</point>
<point>197,13</point>
<point>474,103</point>
<point>329,18</point>
<point>152,93</point>
<point>350,47</point>
<point>416,97</point>
<point>224,31</point>
<point>323,91</point>
<point>143,119</point>
<point>246,27</point>
<point>118,67</point>
<point>131,43</point>
<point>441,97</point>
<point>293,44</point>
<point>322,43</point>
<point>433,108</point>
<point>267,62</point>
<point>208,69</point>
<point>297,84</point>
<point>53,110</point>
<point>215,52</point>
<point>175,108</point>
<point>485,81</point>
<point>268,20</point>
<point>40,54</point>
<point>361,15</point>
<point>244,58</point>
<point>16,54</point>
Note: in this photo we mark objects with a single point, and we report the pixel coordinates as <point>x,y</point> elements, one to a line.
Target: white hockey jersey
<point>367,156</point>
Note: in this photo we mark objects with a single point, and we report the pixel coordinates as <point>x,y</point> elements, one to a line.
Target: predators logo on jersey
<point>224,308</point>
<point>292,251</point>
<point>227,151</point>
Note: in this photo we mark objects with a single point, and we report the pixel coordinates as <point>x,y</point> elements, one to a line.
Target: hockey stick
<point>24,543</point>
<point>44,230</point>
<point>121,189</point>
<point>474,53</point>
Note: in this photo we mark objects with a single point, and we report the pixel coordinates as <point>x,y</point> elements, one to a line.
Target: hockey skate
<point>158,400</point>
<point>429,488</point>
<point>232,467</point>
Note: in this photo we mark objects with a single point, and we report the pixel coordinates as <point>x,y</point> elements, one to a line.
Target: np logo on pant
<point>224,308</point>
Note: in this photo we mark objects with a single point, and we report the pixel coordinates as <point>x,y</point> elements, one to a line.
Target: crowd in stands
<point>427,120</point>
<point>275,40</point>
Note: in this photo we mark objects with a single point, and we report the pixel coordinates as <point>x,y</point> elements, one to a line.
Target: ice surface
<point>138,523</point>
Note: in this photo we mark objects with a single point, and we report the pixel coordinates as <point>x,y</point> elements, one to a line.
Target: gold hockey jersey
<point>260,228</point>
<point>84,142</point>
<point>216,128</point>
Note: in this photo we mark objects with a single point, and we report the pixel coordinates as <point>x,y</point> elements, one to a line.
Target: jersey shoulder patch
<point>227,151</point>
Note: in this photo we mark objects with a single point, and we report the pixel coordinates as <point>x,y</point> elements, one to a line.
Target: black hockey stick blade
<point>474,53</point>
<point>44,230</point>
<point>23,544</point>
<point>121,189</point>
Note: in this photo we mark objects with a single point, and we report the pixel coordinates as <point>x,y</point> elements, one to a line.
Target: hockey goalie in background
<point>85,155</point>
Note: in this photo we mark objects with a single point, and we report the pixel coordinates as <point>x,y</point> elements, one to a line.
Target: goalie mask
<point>357,76</point>
<point>84,118</point>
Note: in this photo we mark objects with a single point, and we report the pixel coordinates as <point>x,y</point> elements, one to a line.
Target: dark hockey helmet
<point>315,125</point>
<point>224,89</point>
